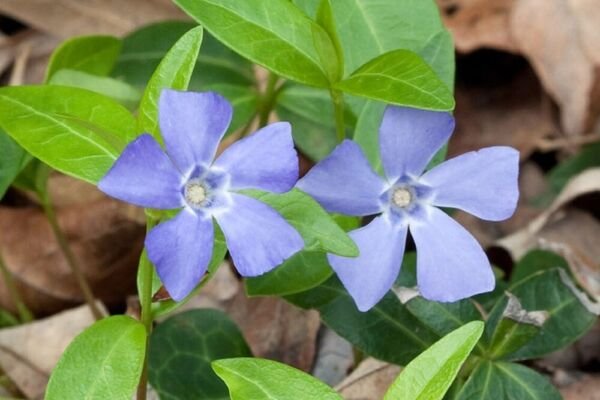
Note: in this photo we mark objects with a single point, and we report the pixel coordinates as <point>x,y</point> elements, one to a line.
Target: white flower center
<point>195,193</point>
<point>402,197</point>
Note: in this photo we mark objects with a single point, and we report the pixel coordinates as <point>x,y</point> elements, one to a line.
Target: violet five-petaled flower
<point>451,265</point>
<point>192,125</point>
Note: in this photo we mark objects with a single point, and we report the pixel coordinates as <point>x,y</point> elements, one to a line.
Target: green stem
<point>69,256</point>
<point>338,106</point>
<point>267,101</point>
<point>25,314</point>
<point>147,317</point>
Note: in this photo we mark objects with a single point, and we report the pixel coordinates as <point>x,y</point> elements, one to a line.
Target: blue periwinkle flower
<point>185,177</point>
<point>451,265</point>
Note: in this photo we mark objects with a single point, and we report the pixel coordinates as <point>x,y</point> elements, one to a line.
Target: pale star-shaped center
<point>195,193</point>
<point>402,197</point>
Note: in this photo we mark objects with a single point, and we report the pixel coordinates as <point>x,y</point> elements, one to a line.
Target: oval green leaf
<point>13,159</point>
<point>402,78</point>
<point>274,34</point>
<point>429,376</point>
<point>182,348</point>
<point>104,362</point>
<point>95,55</point>
<point>75,131</point>
<point>259,379</point>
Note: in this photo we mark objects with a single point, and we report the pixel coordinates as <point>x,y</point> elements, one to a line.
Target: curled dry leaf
<point>103,234</point>
<point>369,381</point>
<point>28,353</point>
<point>560,38</point>
<point>66,18</point>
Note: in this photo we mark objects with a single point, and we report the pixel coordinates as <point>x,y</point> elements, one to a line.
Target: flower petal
<point>265,160</point>
<point>258,237</point>
<point>409,138</point>
<point>483,183</point>
<point>192,125</point>
<point>145,176</point>
<point>181,249</point>
<point>369,276</point>
<point>451,265</point>
<point>344,182</point>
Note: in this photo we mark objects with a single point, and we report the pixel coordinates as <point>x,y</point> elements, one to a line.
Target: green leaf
<point>244,100</point>
<point>366,133</point>
<point>13,158</point>
<point>274,34</point>
<point>535,261</point>
<point>92,54</point>
<point>182,348</point>
<point>553,292</point>
<point>402,78</point>
<point>218,254</point>
<point>301,272</point>
<point>104,362</point>
<point>318,229</point>
<point>443,318</point>
<point>516,328</point>
<point>429,376</point>
<point>73,130</point>
<point>174,72</point>
<point>507,381</point>
<point>109,87</point>
<point>259,379</point>
<point>393,334</point>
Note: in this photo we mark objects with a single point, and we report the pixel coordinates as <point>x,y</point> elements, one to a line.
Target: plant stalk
<point>69,256</point>
<point>338,107</point>
<point>25,314</point>
<point>146,310</point>
<point>268,99</point>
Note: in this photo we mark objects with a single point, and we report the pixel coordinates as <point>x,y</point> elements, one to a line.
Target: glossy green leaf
<point>260,379</point>
<point>182,348</point>
<point>95,55</point>
<point>402,78</point>
<point>174,72</point>
<point>550,291</point>
<point>393,334</point>
<point>327,42</point>
<point>109,87</point>
<point>303,271</point>
<point>507,381</point>
<point>73,130</point>
<point>429,376</point>
<point>104,362</point>
<point>13,159</point>
<point>167,306</point>
<point>536,261</point>
<point>515,328</point>
<point>318,229</point>
<point>274,34</point>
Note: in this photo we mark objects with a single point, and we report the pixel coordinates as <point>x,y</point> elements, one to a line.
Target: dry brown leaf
<point>277,330</point>
<point>28,353</point>
<point>527,238</point>
<point>104,237</point>
<point>478,23</point>
<point>561,39</point>
<point>66,18</point>
<point>369,381</point>
<point>586,388</point>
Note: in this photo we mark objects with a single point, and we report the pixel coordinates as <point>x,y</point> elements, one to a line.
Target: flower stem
<point>145,295</point>
<point>69,256</point>
<point>267,101</point>
<point>25,314</point>
<point>338,106</point>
